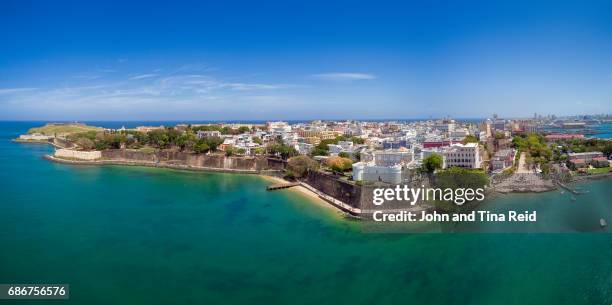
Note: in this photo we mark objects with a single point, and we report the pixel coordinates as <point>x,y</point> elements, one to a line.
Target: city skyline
<point>292,61</point>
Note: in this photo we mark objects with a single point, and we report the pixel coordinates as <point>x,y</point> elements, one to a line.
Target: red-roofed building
<point>594,158</point>
<point>436,144</point>
<point>577,163</point>
<point>600,162</point>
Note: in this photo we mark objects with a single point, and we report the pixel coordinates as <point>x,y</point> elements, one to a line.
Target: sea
<point>603,131</point>
<point>136,235</point>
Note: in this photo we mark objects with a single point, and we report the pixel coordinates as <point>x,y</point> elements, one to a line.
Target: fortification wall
<point>332,186</point>
<point>190,159</point>
<point>79,155</point>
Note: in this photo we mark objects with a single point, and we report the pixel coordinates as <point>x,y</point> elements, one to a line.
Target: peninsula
<point>343,162</point>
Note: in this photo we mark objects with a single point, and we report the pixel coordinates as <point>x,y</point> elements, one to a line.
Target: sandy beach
<point>314,197</point>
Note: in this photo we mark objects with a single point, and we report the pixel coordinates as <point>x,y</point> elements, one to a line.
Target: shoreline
<point>20,141</point>
<point>305,190</point>
<point>266,175</point>
<point>155,164</point>
<point>308,194</point>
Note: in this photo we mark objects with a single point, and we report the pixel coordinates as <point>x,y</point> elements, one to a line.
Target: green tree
<point>159,138</point>
<point>282,150</point>
<point>85,143</point>
<point>213,142</point>
<point>230,151</point>
<point>339,164</point>
<point>186,141</point>
<point>344,155</point>
<point>299,165</point>
<point>432,163</point>
<point>470,139</point>
<point>357,140</point>
<point>201,147</point>
<point>317,151</point>
<point>323,144</point>
<point>227,130</point>
<point>456,177</point>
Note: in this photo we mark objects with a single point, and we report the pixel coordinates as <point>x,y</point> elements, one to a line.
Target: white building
<point>445,125</point>
<point>342,146</point>
<point>392,157</point>
<point>290,139</point>
<point>208,133</point>
<point>382,166</point>
<point>499,124</point>
<point>372,173</point>
<point>503,159</point>
<point>304,148</point>
<point>278,127</point>
<point>459,134</point>
<point>466,156</point>
<point>245,142</point>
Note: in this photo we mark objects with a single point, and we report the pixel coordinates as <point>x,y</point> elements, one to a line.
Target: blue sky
<point>233,60</point>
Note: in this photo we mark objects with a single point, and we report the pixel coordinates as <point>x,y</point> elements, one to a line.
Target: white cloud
<point>247,87</point>
<point>88,76</point>
<point>343,76</point>
<point>8,91</point>
<point>142,76</point>
<point>155,91</point>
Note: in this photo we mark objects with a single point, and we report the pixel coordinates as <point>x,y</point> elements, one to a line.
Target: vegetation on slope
<point>63,129</point>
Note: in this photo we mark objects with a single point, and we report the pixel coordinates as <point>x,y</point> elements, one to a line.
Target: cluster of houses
<point>390,151</point>
<point>586,159</point>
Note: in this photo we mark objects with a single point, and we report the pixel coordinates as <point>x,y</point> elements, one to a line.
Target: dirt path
<point>522,167</point>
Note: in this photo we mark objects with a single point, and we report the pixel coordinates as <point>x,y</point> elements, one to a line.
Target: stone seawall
<point>346,192</point>
<point>155,164</point>
<point>78,155</point>
<point>220,162</point>
<point>361,197</point>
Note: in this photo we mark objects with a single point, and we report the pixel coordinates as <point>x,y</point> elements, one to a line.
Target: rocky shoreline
<point>524,183</point>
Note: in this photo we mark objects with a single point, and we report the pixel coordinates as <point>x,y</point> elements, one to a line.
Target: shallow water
<point>132,235</point>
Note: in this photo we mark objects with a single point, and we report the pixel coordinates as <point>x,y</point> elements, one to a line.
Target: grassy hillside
<point>63,129</point>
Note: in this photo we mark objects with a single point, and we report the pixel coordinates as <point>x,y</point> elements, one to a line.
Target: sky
<point>299,60</point>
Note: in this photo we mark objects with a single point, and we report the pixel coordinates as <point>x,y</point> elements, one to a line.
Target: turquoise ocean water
<point>604,131</point>
<point>136,235</point>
